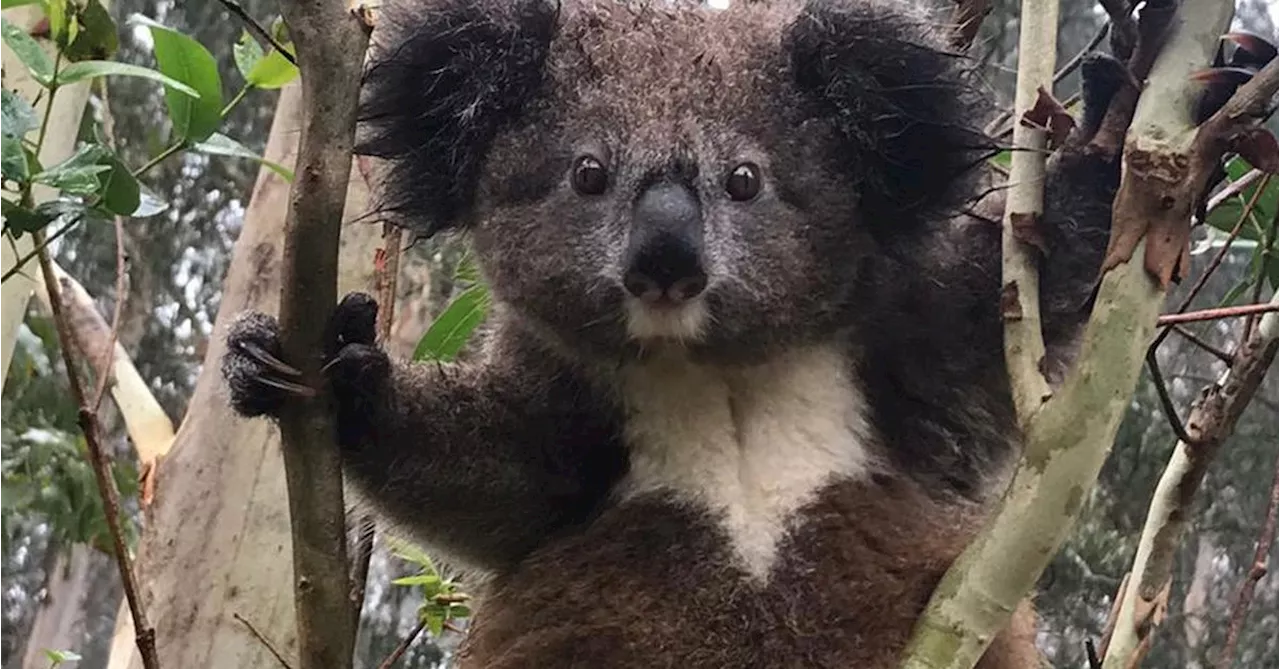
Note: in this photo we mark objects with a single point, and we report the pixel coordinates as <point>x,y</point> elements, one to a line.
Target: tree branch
<point>1244,596</point>
<point>330,44</point>
<point>1068,438</point>
<point>1208,426</point>
<point>1020,275</point>
<point>88,420</point>
<point>257,29</point>
<point>1215,314</point>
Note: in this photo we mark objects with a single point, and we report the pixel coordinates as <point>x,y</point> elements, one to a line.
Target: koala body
<point>742,400</point>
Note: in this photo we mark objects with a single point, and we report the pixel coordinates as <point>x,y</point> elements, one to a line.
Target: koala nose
<point>664,251</point>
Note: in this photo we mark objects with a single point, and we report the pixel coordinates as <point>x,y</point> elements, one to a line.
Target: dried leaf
<point>1258,146</point>
<point>1257,50</point>
<point>1010,307</point>
<point>1026,229</point>
<point>1049,114</point>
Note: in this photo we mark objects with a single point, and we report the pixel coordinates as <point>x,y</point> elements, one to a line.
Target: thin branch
<point>257,29</point>
<point>1202,344</point>
<point>40,246</point>
<point>88,420</point>
<point>404,646</point>
<point>1020,293</point>
<point>1166,403</point>
<point>1216,314</point>
<point>1000,126</point>
<point>262,639</point>
<point>1235,188</point>
<point>1244,596</point>
<point>330,41</point>
<point>103,369</point>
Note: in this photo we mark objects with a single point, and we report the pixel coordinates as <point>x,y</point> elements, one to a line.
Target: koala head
<point>639,175</point>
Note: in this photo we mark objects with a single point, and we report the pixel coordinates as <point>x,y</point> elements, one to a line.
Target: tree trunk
<point>214,555</point>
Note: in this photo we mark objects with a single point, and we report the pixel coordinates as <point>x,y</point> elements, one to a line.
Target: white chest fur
<point>751,444</point>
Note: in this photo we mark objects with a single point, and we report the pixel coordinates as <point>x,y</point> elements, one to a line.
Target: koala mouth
<point>679,322</point>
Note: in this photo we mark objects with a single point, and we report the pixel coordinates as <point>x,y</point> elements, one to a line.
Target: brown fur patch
<point>650,583</point>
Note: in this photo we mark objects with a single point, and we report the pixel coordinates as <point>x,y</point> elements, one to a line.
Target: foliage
<point>442,602</point>
<point>96,183</point>
<point>451,330</point>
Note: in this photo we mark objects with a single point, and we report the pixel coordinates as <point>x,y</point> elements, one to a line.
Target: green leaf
<point>272,71</point>
<point>78,175</point>
<point>450,331</point>
<point>18,116</point>
<point>20,219</point>
<point>10,4</point>
<point>1228,213</point>
<point>459,611</point>
<point>97,37</point>
<point>418,579</point>
<point>247,53</point>
<point>150,204</point>
<point>13,159</point>
<point>90,69</point>
<point>187,61</point>
<point>219,144</point>
<point>28,51</point>
<point>59,18</point>
<point>120,192</point>
<point>410,553</point>
<point>59,656</point>
<point>434,616</point>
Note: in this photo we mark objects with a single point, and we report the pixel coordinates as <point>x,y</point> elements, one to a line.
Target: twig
<point>404,646</point>
<point>21,262</point>
<point>1244,596</point>
<point>1166,403</point>
<point>88,420</point>
<point>330,42</point>
<point>1215,314</point>
<point>1202,344</point>
<point>108,352</point>
<point>257,29</point>
<point>262,639</point>
<point>967,21</point>
<point>1000,126</point>
<point>1234,188</point>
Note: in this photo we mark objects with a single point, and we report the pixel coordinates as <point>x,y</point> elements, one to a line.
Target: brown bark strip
<point>330,43</point>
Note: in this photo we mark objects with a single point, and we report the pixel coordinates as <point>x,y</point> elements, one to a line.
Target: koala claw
<point>259,380</point>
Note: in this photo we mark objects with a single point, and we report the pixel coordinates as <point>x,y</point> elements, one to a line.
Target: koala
<point>742,398</point>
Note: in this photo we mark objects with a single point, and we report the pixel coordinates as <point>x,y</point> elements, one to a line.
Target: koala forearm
<point>482,462</point>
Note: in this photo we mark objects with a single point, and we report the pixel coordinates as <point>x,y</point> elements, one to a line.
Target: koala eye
<point>589,176</point>
<point>743,182</point>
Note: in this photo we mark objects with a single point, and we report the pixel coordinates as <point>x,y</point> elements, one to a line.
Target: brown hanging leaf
<point>1049,114</point>
<point>1258,147</point>
<point>1010,308</point>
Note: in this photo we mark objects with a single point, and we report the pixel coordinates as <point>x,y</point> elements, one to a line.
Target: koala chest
<point>747,445</point>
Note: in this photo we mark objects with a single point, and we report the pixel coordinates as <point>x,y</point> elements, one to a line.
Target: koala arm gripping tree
<point>485,459</point>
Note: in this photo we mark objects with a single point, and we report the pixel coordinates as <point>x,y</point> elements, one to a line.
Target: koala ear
<point>901,102</point>
<point>443,78</point>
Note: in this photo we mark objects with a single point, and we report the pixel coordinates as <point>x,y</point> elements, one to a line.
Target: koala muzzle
<point>664,250</point>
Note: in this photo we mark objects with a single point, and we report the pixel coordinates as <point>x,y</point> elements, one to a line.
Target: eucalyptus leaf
<point>10,4</point>
<point>418,579</point>
<point>149,203</point>
<point>91,69</point>
<point>186,60</point>
<point>19,219</point>
<point>28,51</point>
<point>451,330</point>
<point>219,144</point>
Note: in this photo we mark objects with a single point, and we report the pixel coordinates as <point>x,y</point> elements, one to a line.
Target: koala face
<point>635,177</point>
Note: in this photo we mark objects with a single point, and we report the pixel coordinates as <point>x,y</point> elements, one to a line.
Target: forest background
<point>62,592</point>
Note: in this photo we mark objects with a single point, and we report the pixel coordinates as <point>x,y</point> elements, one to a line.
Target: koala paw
<point>261,382</point>
<point>258,379</point>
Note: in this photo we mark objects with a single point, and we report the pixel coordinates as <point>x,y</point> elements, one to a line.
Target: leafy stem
<point>244,90</point>
<point>160,157</point>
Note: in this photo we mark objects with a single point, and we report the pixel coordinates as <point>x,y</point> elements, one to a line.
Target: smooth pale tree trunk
<point>216,543</point>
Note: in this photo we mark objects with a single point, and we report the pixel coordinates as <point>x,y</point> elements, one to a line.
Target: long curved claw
<point>272,362</point>
<point>288,386</point>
